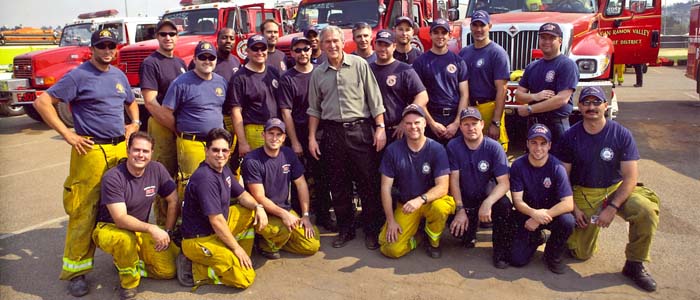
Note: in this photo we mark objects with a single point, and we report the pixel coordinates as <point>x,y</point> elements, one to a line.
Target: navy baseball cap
<point>440,23</point>
<point>164,22</point>
<point>550,28</point>
<point>204,47</point>
<point>310,30</point>
<point>103,36</point>
<point>413,109</point>
<point>470,112</point>
<point>300,39</point>
<point>386,36</point>
<point>592,91</point>
<point>401,19</point>
<point>275,123</point>
<point>539,130</point>
<point>256,39</point>
<point>481,16</point>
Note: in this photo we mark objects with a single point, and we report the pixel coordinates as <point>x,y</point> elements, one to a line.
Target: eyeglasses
<point>596,102</point>
<point>220,150</point>
<point>204,57</point>
<point>258,49</point>
<point>300,50</point>
<point>164,34</point>
<point>103,46</point>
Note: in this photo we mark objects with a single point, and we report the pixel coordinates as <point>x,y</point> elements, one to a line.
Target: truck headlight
<point>587,66</point>
<point>39,81</point>
<point>48,80</point>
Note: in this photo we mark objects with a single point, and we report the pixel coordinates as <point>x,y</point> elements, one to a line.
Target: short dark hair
<point>218,35</point>
<point>140,135</point>
<point>218,133</point>
<point>262,25</point>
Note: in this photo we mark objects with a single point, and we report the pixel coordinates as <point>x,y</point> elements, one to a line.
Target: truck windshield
<point>513,6</point>
<point>195,22</point>
<point>339,13</point>
<point>117,28</point>
<point>76,35</point>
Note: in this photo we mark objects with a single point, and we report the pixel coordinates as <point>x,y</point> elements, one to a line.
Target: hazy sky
<point>37,13</point>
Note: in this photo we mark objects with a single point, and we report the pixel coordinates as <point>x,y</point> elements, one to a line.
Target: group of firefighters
<point>439,114</point>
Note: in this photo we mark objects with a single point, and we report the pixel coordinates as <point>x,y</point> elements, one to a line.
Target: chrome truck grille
<point>22,68</point>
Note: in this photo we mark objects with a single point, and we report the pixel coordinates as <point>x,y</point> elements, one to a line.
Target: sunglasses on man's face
<point>588,102</point>
<point>258,49</point>
<point>222,150</point>
<point>204,57</point>
<point>164,34</point>
<point>103,46</point>
<point>300,50</point>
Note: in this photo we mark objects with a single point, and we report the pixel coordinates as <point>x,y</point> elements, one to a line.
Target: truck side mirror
<point>452,14</point>
<point>638,6</point>
<point>614,7</point>
<point>454,4</point>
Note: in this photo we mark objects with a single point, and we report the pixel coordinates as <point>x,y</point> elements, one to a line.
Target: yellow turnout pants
<point>641,210</point>
<point>81,195</point>
<point>189,155</point>
<point>134,254</point>
<point>619,70</point>
<point>213,262</point>
<point>486,110</point>
<point>253,134</point>
<point>435,214</point>
<point>276,236</point>
<point>164,152</point>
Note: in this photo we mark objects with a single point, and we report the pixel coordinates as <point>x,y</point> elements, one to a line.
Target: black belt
<point>349,124</point>
<point>107,141</point>
<point>479,101</point>
<point>191,137</point>
<point>445,111</point>
<point>194,236</point>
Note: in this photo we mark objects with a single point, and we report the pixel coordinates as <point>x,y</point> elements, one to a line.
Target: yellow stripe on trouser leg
<point>228,124</point>
<point>81,194</point>
<point>134,254</point>
<point>486,111</point>
<point>253,133</point>
<point>164,152</point>
<point>276,236</point>
<point>435,213</point>
<point>641,210</point>
<point>189,155</point>
<point>213,262</point>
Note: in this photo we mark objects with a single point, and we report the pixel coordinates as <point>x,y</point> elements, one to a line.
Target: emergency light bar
<point>97,14</point>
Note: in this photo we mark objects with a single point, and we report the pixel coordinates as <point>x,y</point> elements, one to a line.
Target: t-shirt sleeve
<point>569,78</point>
<point>413,83</point>
<point>629,146</point>
<point>149,75</point>
<point>314,97</point>
<point>386,167</point>
<point>127,89</point>
<point>524,80</point>
<point>500,162</point>
<point>502,66</point>
<point>208,194</point>
<point>297,166</point>
<point>563,185</point>
<point>252,171</point>
<point>236,189</point>
<point>564,151</point>
<point>112,189</point>
<point>65,89</point>
<point>463,74</point>
<point>286,93</point>
<point>234,92</point>
<point>452,157</point>
<point>172,97</point>
<point>442,165</point>
<point>516,177</point>
<point>166,185</point>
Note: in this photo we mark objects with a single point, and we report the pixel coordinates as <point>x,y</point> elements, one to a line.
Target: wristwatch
<point>259,206</point>
<point>529,110</point>
<point>380,125</point>
<point>459,207</point>
<point>496,123</point>
<point>137,122</point>
<point>425,198</point>
<point>306,214</point>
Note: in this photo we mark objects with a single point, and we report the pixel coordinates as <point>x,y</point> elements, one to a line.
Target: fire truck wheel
<point>32,113</point>
<point>64,114</point>
<point>11,110</point>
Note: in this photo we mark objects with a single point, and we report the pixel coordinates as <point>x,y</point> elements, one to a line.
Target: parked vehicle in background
<point>35,72</point>
<point>29,35</point>
<point>692,70</point>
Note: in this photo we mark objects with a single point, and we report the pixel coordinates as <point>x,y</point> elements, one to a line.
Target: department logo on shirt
<point>479,62</point>
<point>547,182</point>
<point>483,166</point>
<point>391,80</point>
<point>219,92</point>
<point>283,67</point>
<point>235,69</point>
<point>426,168</point>
<point>607,154</point>
<point>182,70</point>
<point>228,181</point>
<point>451,68</point>
<point>286,168</point>
<point>120,88</point>
<point>550,76</point>
<point>274,83</point>
<point>150,191</point>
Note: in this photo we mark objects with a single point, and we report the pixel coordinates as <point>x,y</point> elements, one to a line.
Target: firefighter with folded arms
<point>419,169</point>
<point>97,93</point>
<point>139,249</point>
<point>601,157</point>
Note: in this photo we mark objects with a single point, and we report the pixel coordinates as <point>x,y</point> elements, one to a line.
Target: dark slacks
<point>525,242</point>
<point>501,215</point>
<point>315,174</point>
<point>348,155</point>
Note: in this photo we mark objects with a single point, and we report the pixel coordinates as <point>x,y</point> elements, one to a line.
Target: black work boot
<point>78,286</point>
<point>636,271</point>
<point>126,294</point>
<point>184,270</point>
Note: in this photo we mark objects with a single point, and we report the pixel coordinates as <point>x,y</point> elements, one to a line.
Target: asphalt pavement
<point>663,116</point>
